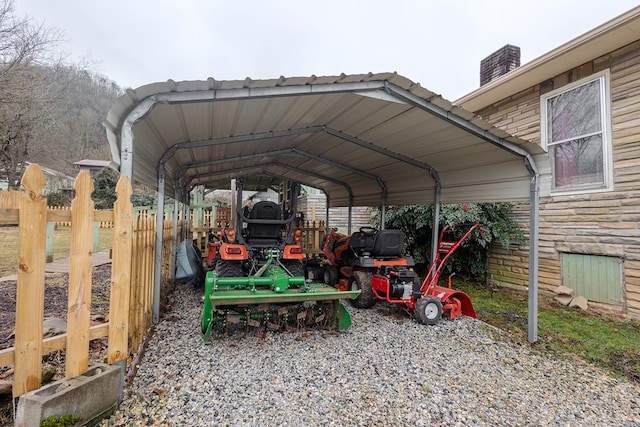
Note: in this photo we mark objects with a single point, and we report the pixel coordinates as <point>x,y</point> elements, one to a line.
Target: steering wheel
<point>368,230</point>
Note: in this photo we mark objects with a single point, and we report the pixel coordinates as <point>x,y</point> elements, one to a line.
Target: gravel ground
<point>387,370</point>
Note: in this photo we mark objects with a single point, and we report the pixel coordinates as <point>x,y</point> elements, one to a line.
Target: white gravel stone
<point>386,370</point>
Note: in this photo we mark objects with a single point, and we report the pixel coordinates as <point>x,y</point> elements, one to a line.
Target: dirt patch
<point>55,300</point>
<point>627,363</point>
<point>55,306</point>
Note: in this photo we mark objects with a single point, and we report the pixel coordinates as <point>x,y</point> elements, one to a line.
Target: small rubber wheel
<point>330,275</point>
<point>428,310</point>
<point>361,280</point>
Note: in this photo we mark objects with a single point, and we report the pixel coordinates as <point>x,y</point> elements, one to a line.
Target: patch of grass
<point>8,251</point>
<point>61,246</point>
<point>605,342</point>
<point>63,421</point>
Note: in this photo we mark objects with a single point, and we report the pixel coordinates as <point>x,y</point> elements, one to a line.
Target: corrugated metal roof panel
<point>346,133</point>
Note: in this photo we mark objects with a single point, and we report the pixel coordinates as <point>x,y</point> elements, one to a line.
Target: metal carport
<point>367,139</point>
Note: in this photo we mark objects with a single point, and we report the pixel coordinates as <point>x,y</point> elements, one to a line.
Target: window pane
<point>575,113</point>
<point>578,162</point>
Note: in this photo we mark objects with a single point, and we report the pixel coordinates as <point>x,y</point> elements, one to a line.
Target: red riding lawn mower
<point>372,261</point>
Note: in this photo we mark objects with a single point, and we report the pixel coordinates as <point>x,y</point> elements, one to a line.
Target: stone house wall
<point>604,223</point>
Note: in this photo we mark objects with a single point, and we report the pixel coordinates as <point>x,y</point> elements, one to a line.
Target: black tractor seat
<point>264,233</point>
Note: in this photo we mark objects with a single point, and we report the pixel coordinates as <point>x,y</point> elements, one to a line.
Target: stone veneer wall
<point>597,223</point>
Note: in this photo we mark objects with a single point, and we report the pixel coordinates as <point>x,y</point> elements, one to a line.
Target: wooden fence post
<point>135,295</point>
<point>80,274</point>
<point>149,251</point>
<point>30,290</point>
<point>316,236</point>
<point>120,272</point>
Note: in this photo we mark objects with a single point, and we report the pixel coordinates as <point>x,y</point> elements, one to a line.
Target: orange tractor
<point>372,261</point>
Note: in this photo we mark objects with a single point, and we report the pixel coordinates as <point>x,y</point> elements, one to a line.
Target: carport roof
<point>362,139</point>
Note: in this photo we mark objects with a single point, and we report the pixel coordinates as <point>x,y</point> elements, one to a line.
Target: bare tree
<point>25,90</point>
<point>74,130</point>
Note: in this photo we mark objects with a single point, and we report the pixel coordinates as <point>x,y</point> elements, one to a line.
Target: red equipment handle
<point>431,281</point>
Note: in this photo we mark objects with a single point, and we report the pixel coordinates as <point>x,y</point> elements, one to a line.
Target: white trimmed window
<point>576,133</point>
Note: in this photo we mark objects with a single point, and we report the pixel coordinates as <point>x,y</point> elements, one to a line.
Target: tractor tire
<point>226,268</point>
<point>428,310</point>
<point>295,268</point>
<point>361,280</point>
<point>330,275</point>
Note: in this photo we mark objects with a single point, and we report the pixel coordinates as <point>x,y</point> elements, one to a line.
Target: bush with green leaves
<point>416,221</point>
<point>58,198</point>
<point>104,194</point>
<point>104,188</point>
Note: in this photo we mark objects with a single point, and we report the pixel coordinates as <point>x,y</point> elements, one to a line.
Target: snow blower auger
<point>259,282</point>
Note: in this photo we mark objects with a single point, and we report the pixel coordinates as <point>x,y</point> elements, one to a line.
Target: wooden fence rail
<point>65,212</point>
<point>133,252</point>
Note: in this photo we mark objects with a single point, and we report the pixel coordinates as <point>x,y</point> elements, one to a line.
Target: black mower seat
<point>264,210</point>
<point>388,244</point>
<point>361,241</point>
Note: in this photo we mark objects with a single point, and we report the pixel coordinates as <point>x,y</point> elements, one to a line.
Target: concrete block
<point>563,290</point>
<point>580,302</point>
<point>563,299</point>
<point>90,397</point>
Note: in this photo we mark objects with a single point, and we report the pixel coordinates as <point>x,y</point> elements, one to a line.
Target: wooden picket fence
<point>312,235</point>
<point>131,294</point>
<point>101,224</point>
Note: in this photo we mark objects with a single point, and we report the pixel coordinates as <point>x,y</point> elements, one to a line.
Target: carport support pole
<point>157,270</point>
<point>349,213</point>
<point>326,211</point>
<point>534,208</point>
<point>185,215</point>
<point>383,206</point>
<point>383,203</point>
<point>239,190</point>
<point>234,205</point>
<point>174,235</point>
<point>436,223</point>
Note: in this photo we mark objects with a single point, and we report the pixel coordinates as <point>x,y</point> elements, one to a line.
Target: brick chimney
<point>499,63</point>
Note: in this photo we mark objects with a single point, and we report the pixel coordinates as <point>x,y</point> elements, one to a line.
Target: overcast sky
<point>437,43</point>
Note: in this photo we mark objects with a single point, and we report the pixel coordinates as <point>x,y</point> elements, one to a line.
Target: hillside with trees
<point>51,111</point>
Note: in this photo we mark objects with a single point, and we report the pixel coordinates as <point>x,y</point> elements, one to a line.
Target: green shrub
<point>416,222</point>
<point>104,184</point>
<point>58,199</point>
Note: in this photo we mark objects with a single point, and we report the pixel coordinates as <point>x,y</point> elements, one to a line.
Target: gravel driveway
<point>387,370</point>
